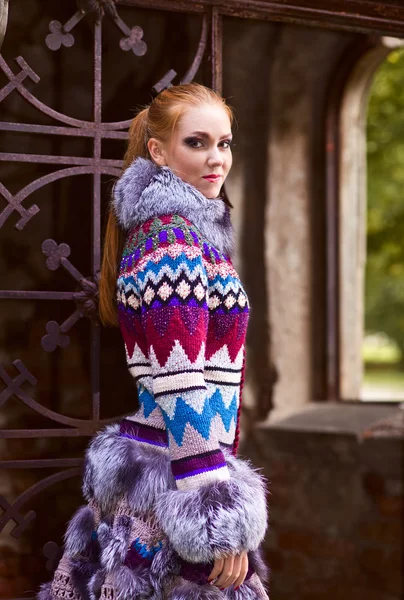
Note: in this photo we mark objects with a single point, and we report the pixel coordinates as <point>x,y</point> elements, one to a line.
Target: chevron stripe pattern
<point>183,314</point>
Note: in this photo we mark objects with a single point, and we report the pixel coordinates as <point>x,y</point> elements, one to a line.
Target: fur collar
<point>145,191</point>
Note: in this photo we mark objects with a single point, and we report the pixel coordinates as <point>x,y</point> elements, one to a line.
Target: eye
<point>226,143</point>
<point>193,142</point>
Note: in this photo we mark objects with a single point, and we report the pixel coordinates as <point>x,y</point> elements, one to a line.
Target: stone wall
<point>336,505</point>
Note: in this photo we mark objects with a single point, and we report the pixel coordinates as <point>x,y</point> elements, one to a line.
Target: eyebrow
<point>206,135</point>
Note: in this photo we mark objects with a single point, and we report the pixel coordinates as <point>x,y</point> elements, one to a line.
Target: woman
<point>172,513</point>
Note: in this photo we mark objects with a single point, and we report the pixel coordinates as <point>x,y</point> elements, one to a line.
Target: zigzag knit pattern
<point>183,314</point>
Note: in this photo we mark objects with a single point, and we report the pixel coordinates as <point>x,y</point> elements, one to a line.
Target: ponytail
<point>114,234</point>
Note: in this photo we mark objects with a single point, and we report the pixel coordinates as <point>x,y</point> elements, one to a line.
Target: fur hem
<point>145,191</point>
<point>224,517</point>
<point>45,592</point>
<point>117,466</point>
<point>95,584</point>
<point>130,584</point>
<point>81,574</point>
<point>186,590</point>
<point>114,542</point>
<point>79,531</point>
<point>201,524</point>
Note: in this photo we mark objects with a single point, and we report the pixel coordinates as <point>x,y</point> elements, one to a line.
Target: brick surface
<point>336,526</point>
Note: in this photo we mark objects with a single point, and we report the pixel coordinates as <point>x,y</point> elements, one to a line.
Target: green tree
<point>384,291</point>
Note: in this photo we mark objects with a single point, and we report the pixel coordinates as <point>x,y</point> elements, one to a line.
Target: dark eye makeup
<point>193,142</point>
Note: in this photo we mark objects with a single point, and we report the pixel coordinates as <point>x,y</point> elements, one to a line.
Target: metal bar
<point>348,15</point>
<point>29,295</point>
<point>54,130</point>
<point>45,433</point>
<point>41,463</point>
<point>193,69</point>
<point>216,51</point>
<point>12,511</point>
<point>58,160</point>
<point>96,230</point>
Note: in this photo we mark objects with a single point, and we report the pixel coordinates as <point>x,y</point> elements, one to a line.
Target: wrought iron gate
<point>20,378</point>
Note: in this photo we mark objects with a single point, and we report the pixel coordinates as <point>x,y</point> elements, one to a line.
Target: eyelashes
<point>195,142</point>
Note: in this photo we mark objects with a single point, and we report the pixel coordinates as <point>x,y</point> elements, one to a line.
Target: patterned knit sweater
<point>183,314</point>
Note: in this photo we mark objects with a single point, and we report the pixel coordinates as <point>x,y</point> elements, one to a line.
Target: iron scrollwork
<point>85,295</point>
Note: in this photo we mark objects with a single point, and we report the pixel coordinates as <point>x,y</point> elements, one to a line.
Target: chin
<point>211,192</point>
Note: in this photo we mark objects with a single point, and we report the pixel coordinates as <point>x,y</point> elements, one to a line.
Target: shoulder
<point>169,238</point>
<point>166,236</point>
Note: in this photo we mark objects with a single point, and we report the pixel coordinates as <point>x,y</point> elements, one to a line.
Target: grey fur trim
<point>164,568</point>
<point>223,517</point>
<point>247,591</point>
<point>45,592</point>
<point>78,533</point>
<point>95,584</point>
<point>114,543</point>
<point>187,590</point>
<point>258,564</point>
<point>145,191</point>
<point>117,466</point>
<point>132,584</point>
<point>81,573</point>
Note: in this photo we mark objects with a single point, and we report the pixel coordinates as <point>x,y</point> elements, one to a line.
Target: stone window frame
<point>347,259</point>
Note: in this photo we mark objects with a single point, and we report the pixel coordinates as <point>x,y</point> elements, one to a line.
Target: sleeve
<point>219,504</point>
<point>173,291</point>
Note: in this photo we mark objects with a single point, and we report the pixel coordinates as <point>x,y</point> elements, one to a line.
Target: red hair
<point>158,120</point>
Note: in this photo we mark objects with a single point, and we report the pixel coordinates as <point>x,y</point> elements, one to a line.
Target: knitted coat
<point>166,493</point>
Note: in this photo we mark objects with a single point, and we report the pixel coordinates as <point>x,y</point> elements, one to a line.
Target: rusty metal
<point>338,79</point>
<point>12,512</point>
<point>362,16</point>
<point>216,50</point>
<point>18,379</point>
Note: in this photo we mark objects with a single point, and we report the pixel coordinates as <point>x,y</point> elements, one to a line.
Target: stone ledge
<point>341,418</point>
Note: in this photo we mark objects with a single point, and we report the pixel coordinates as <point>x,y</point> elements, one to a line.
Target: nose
<point>215,159</point>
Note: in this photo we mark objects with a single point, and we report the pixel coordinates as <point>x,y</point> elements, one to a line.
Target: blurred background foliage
<point>384,289</point>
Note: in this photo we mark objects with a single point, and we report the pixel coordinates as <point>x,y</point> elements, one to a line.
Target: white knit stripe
<point>139,371</point>
<point>170,383</point>
<point>229,377</point>
<point>195,481</point>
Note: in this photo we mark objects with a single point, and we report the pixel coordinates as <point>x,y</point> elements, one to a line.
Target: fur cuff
<point>116,466</point>
<point>225,517</point>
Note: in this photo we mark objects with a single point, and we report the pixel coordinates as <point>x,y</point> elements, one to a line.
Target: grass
<point>391,378</point>
<point>386,354</point>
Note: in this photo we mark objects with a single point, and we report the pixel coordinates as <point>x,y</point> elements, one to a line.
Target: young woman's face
<point>199,149</point>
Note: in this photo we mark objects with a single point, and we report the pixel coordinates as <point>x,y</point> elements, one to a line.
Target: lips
<point>212,177</point>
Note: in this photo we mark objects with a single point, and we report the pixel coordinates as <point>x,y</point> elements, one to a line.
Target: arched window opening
<point>383,339</point>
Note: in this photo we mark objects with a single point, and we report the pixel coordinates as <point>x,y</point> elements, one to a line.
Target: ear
<point>156,151</point>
